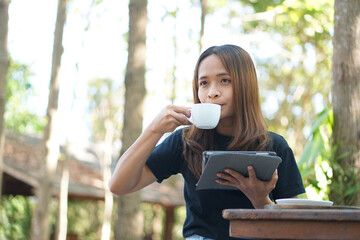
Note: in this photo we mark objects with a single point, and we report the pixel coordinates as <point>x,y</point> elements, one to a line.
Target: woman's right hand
<point>131,172</point>
<point>170,118</point>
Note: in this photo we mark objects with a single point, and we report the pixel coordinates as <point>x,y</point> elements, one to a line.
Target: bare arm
<point>131,172</point>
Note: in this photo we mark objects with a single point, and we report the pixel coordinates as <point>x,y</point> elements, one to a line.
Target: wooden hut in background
<point>22,161</point>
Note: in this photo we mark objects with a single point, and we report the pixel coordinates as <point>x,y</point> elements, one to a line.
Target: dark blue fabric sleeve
<point>166,159</point>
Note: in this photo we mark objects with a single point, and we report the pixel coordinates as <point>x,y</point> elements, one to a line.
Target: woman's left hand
<point>255,190</point>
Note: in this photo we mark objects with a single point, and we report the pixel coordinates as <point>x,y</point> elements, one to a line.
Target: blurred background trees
<point>4,64</point>
<point>105,108</point>
<point>345,185</point>
<point>40,225</point>
<point>129,224</point>
<point>309,89</point>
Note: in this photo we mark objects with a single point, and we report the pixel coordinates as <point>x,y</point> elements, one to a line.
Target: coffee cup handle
<point>190,118</point>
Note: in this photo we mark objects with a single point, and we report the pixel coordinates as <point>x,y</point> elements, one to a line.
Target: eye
<point>202,83</point>
<point>225,80</point>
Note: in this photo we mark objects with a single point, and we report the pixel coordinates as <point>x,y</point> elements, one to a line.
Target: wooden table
<point>294,223</point>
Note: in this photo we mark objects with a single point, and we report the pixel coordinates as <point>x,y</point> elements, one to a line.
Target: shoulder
<point>278,143</point>
<point>277,139</point>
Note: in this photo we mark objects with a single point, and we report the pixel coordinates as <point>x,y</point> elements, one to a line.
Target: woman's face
<point>215,86</point>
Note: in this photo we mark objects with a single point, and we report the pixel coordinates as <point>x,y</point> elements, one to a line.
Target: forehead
<point>211,65</point>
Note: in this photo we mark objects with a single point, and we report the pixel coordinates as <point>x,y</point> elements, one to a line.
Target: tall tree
<point>105,107</point>
<point>106,172</point>
<point>40,229</point>
<point>208,7</point>
<point>204,12</point>
<point>128,225</point>
<point>4,64</point>
<point>172,73</point>
<point>61,225</point>
<point>62,219</point>
<point>346,101</point>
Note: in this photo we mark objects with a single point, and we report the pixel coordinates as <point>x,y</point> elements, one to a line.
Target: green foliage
<point>15,216</point>
<point>317,144</point>
<point>155,214</point>
<point>105,104</point>
<point>214,4</point>
<point>321,167</point>
<point>19,90</point>
<point>296,79</point>
<point>211,5</point>
<point>345,185</point>
<point>85,218</point>
<point>317,155</point>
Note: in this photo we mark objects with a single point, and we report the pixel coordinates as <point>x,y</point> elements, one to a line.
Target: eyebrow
<point>218,75</point>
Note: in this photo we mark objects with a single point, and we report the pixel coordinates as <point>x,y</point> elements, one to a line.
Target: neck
<point>225,128</point>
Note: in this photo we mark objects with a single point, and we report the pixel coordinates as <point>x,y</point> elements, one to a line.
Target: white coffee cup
<point>205,115</point>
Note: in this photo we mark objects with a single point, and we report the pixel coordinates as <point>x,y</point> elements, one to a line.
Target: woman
<point>224,75</point>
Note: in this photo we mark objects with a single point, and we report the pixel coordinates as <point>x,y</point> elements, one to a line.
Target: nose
<point>213,92</point>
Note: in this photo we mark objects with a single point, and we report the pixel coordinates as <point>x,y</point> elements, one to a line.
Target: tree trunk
<point>106,227</point>
<point>346,95</point>
<point>4,64</point>
<point>204,11</point>
<point>129,225</point>
<point>157,222</point>
<point>130,220</point>
<point>40,229</point>
<point>169,223</point>
<point>61,227</point>
<point>173,74</point>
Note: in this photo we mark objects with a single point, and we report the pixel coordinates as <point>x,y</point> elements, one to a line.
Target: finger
<point>182,119</point>
<point>172,116</point>
<point>171,120</point>
<point>224,176</point>
<point>251,172</point>
<point>182,110</point>
<point>223,181</point>
<point>181,114</point>
<point>239,177</point>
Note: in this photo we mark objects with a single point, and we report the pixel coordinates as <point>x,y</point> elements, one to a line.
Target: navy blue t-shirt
<point>204,207</point>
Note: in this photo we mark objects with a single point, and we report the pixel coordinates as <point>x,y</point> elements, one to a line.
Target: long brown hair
<point>250,127</point>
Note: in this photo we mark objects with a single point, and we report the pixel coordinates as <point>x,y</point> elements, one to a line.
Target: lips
<point>216,103</point>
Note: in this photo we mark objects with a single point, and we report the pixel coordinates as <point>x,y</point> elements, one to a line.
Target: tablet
<point>263,162</point>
